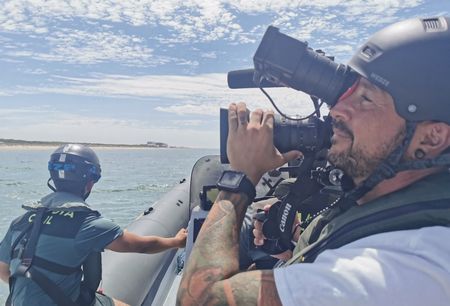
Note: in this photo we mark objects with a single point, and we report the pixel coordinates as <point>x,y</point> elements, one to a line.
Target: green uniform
<point>424,203</point>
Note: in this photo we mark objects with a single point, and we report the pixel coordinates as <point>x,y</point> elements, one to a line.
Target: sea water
<point>132,180</point>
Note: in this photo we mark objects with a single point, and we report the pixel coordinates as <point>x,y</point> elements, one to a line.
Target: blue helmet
<point>72,166</point>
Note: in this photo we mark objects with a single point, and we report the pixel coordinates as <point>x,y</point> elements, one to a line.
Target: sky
<point>129,71</point>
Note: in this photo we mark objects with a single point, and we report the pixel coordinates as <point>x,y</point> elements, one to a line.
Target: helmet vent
<point>433,24</point>
<point>368,52</point>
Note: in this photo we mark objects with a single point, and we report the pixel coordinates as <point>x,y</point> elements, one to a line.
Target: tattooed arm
<point>212,274</point>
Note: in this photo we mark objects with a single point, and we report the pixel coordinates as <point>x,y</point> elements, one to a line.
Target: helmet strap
<point>50,185</point>
<point>442,160</point>
<point>86,195</point>
<point>385,170</point>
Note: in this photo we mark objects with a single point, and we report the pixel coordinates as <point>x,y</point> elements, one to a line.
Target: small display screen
<point>230,179</point>
<point>208,197</point>
<point>211,194</point>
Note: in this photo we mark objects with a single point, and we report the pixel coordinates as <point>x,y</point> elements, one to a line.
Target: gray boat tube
<point>135,278</point>
<point>140,279</point>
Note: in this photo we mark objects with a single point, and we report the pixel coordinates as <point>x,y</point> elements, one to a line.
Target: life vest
<point>53,209</point>
<point>424,203</point>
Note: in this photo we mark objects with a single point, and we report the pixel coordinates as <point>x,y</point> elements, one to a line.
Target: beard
<point>357,161</point>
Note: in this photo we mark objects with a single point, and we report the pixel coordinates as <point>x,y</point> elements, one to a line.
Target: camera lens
<point>309,135</point>
<point>283,60</point>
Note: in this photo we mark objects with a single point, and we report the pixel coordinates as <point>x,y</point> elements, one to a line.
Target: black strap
<point>92,271</point>
<point>25,268</point>
<point>49,265</point>
<point>278,222</point>
<point>30,249</point>
<point>387,169</point>
<point>54,267</point>
<point>24,252</point>
<point>50,288</point>
<point>416,215</point>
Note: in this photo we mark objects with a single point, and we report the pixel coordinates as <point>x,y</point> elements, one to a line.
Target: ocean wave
<point>141,187</point>
<point>18,183</point>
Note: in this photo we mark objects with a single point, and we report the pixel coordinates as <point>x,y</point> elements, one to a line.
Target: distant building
<point>154,144</point>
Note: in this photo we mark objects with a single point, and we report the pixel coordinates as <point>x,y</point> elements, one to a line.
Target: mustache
<point>342,127</point>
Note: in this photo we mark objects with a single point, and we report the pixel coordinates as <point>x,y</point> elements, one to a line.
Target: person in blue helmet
<point>51,254</point>
<point>385,242</point>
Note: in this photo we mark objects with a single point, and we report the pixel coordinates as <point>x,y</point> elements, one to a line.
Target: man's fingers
<point>291,155</point>
<point>232,117</point>
<point>242,114</point>
<point>256,116</point>
<point>257,232</point>
<point>268,119</point>
<point>257,225</point>
<point>259,238</point>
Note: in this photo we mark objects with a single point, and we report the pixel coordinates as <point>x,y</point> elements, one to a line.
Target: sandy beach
<point>11,147</point>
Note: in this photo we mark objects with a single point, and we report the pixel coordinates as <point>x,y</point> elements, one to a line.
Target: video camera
<point>282,61</point>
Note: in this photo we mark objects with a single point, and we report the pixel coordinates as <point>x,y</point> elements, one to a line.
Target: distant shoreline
<point>24,144</point>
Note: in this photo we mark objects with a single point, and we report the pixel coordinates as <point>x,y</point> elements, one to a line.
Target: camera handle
<point>274,244</point>
<point>278,222</point>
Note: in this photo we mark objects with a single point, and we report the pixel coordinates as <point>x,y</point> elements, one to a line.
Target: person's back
<point>66,239</point>
<point>56,244</point>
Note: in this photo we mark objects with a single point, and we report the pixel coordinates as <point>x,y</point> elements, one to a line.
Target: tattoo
<point>268,294</point>
<point>212,274</point>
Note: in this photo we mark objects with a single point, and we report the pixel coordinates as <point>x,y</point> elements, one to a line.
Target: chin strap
<point>84,196</point>
<point>50,185</point>
<point>386,170</point>
<point>392,165</point>
<point>442,160</point>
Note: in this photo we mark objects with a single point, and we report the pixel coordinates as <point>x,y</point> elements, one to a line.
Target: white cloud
<point>145,50</point>
<point>81,47</point>
<point>190,109</point>
<point>35,71</point>
<point>211,55</point>
<point>195,20</point>
<point>90,31</point>
<point>182,123</point>
<point>201,94</point>
<point>60,126</point>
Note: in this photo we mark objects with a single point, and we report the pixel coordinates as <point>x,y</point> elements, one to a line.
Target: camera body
<point>308,136</point>
<point>282,61</point>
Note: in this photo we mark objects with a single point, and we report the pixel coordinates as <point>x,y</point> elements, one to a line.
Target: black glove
<point>277,227</point>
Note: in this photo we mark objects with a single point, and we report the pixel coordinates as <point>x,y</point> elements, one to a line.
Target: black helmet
<point>411,61</point>
<point>72,166</point>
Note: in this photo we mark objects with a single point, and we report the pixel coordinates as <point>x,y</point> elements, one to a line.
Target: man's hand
<point>130,242</point>
<point>180,237</point>
<point>4,272</point>
<point>260,238</point>
<point>250,147</point>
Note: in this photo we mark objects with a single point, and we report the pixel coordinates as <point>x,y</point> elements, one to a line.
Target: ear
<point>431,137</point>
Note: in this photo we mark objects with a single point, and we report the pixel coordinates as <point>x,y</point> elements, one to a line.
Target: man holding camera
<point>385,242</point>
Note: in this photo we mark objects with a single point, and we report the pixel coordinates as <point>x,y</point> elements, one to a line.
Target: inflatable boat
<point>140,279</point>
